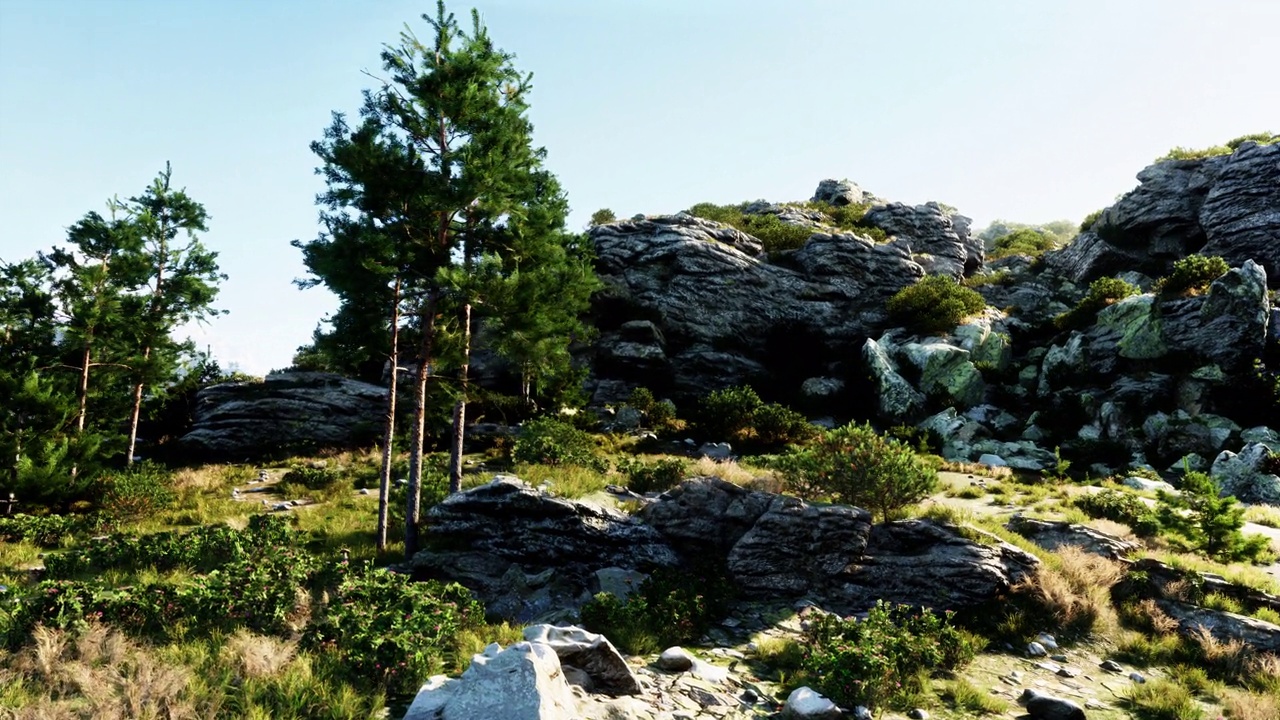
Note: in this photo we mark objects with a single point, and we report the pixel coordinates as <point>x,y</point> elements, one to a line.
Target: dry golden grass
<point>100,674</point>
<point>728,470</point>
<point>1231,658</point>
<point>1241,705</point>
<point>1078,590</point>
<point>258,656</point>
<point>977,469</point>
<point>1154,619</point>
<point>1111,527</point>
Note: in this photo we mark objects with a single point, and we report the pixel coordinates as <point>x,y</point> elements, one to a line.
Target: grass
<point>569,481</point>
<point>1238,573</point>
<point>964,697</point>
<point>1162,699</point>
<point>1262,515</point>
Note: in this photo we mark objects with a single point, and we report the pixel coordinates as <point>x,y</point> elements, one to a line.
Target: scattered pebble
<point>1111,666</point>
<point>918,714</point>
<point>1047,640</point>
<point>1067,672</point>
<point>1035,649</point>
<point>1058,658</point>
<point>1137,677</point>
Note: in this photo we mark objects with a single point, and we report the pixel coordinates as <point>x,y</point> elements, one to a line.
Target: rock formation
<point>286,413</point>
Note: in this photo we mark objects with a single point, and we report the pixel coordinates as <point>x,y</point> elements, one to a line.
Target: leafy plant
<point>1122,507</point>
<point>1102,292</point>
<point>853,464</point>
<point>140,490</point>
<point>1192,275</point>
<point>728,414</point>
<point>391,632</point>
<point>1023,241</point>
<point>773,233</point>
<point>671,607</point>
<point>548,441</point>
<point>1209,521</point>
<point>659,476</point>
<point>875,661</point>
<point>935,304</point>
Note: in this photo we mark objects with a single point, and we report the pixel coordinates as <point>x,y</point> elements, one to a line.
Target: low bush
<point>1192,275</point>
<point>874,662</point>
<point>548,441</point>
<point>935,304</point>
<point>773,233</point>
<point>1162,699</point>
<point>143,489</point>
<point>855,465</point>
<point>1102,292</point>
<point>727,414</point>
<point>44,530</point>
<point>389,631</point>
<point>776,425</point>
<point>1211,522</point>
<point>1023,241</point>
<point>659,476</point>
<point>671,607</point>
<point>1090,220</point>
<point>1184,153</point>
<point>1121,507</point>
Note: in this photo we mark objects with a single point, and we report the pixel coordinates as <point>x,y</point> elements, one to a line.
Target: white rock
<point>675,659</point>
<point>992,460</point>
<point>1141,483</point>
<point>805,704</point>
<point>1048,641</point>
<point>1035,649</point>
<point>523,682</point>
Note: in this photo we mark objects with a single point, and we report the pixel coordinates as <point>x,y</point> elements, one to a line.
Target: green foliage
<point>1209,521</point>
<point>603,216</point>
<point>140,490</point>
<point>773,233</point>
<point>1162,699</point>
<point>1102,292</point>
<point>1192,275</point>
<point>390,632</point>
<point>728,414</point>
<point>1023,241</point>
<point>548,441</point>
<point>641,398</point>
<point>883,659</point>
<point>850,218</point>
<point>671,607</point>
<point>1090,220</point>
<point>1122,507</point>
<point>1184,153</point>
<point>935,304</point>
<point>659,476</point>
<point>44,530</point>
<point>777,425</point>
<point>855,465</point>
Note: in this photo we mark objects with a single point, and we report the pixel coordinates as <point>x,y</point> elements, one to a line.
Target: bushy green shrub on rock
<point>1102,292</point>
<point>1192,275</point>
<point>737,414</point>
<point>856,465</point>
<point>935,304</point>
<point>671,607</point>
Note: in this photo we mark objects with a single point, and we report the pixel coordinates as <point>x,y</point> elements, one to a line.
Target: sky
<point>1021,110</point>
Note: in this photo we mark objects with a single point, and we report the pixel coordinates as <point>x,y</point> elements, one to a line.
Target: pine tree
<point>449,128</point>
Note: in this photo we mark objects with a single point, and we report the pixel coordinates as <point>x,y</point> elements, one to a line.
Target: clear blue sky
<point>1016,109</point>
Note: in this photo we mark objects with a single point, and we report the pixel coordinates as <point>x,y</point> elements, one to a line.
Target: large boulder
<point>1248,474</point>
<point>522,682</point>
<point>939,239</point>
<point>1227,205</point>
<point>287,412</point>
<point>898,400</point>
<point>526,553</point>
<point>720,313</point>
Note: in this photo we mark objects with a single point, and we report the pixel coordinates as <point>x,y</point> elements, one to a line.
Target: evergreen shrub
<point>935,304</point>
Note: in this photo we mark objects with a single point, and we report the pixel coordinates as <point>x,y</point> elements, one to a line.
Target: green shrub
<point>777,425</point>
<point>645,477</point>
<point>547,441</point>
<point>641,398</point>
<point>1023,241</point>
<point>1210,522</point>
<point>1102,292</point>
<point>662,416</point>
<point>44,530</point>
<point>1089,220</point>
<point>1192,275</point>
<point>1183,153</point>
<point>1122,507</point>
<point>143,489</point>
<point>671,607</point>
<point>855,465</point>
<point>728,414</point>
<point>603,216</point>
<point>389,631</point>
<point>935,304</point>
<point>773,233</point>
<point>884,658</point>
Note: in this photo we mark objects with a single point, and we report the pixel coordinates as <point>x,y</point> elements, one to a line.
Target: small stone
<point>365,491</point>
<point>918,714</point>
<point>1067,672</point>
<point>1058,658</point>
<point>1111,666</point>
<point>1035,649</point>
<point>1047,707</point>
<point>861,712</point>
<point>675,659</point>
<point>1047,640</point>
<point>1137,677</point>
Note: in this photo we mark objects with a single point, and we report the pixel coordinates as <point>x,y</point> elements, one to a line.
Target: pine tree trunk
<point>412,506</point>
<point>137,411</point>
<point>460,408</point>
<point>384,481</point>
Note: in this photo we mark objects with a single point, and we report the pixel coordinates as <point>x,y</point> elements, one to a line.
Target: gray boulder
<point>721,313</point>
<point>589,652</point>
<point>522,682</point>
<point>286,412</point>
<point>805,703</point>
<point>526,553</point>
<point>1042,706</point>
<point>1052,535</point>
<point>838,193</point>
<point>939,241</point>
<point>1244,474</point>
<point>1227,205</point>
<point>898,400</point>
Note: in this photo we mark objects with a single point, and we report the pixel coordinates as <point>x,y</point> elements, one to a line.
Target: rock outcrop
<point>286,413</point>
<point>1227,205</point>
